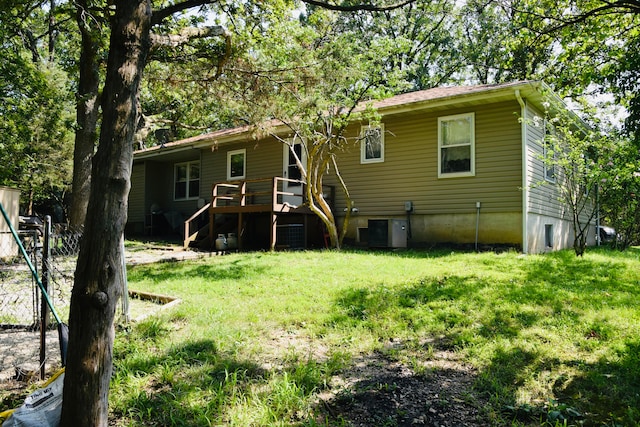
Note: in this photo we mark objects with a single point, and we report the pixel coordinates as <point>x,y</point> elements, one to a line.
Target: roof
<point>435,98</point>
<point>440,93</point>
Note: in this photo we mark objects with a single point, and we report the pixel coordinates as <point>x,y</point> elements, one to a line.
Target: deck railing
<point>189,234</point>
<point>261,194</point>
<point>252,195</point>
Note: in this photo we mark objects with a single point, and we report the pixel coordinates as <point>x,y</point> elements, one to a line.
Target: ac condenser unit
<point>387,233</point>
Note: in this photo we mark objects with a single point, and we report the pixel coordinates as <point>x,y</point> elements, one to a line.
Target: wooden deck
<point>265,195</point>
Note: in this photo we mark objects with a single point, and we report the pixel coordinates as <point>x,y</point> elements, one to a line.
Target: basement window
<point>548,235</point>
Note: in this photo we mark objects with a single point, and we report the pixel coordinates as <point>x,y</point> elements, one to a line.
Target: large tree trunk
<point>87,114</point>
<point>99,270</point>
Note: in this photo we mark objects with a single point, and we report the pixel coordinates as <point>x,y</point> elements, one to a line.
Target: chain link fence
<point>21,297</point>
<point>19,292</point>
<point>19,300</point>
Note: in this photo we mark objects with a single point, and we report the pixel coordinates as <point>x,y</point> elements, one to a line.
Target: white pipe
<point>477,222</point>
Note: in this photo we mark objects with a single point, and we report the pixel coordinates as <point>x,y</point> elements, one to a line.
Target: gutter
<point>525,163</point>
<point>161,152</point>
<point>500,92</point>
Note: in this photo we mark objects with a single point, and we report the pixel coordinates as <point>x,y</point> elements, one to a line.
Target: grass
<point>553,338</point>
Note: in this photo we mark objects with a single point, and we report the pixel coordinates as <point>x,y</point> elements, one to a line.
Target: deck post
<point>243,202</point>
<point>240,230</point>
<point>212,216</point>
<point>274,217</point>
<point>274,225</point>
<point>212,223</point>
<point>243,193</point>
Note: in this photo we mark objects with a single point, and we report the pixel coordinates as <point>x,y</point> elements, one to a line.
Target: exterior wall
<point>10,199</point>
<point>263,160</point>
<point>159,185</point>
<point>561,233</point>
<point>544,208</point>
<point>444,209</point>
<point>450,228</point>
<point>543,195</point>
<point>136,207</point>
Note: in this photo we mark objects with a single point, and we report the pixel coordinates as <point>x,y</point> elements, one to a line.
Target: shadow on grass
<point>612,386</point>
<point>456,307</point>
<point>196,384</point>
<point>187,386</point>
<point>552,295</point>
<point>605,393</point>
<point>167,271</point>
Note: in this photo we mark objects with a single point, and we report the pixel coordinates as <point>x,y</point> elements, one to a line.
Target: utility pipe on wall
<point>477,223</point>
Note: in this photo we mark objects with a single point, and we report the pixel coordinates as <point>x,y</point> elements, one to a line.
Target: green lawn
<point>553,339</point>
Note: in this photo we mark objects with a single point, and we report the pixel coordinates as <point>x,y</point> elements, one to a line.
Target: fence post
<point>44,307</point>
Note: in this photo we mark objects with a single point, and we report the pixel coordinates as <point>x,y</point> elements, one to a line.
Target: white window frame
<point>230,154</point>
<point>471,144</point>
<point>363,144</point>
<point>187,181</point>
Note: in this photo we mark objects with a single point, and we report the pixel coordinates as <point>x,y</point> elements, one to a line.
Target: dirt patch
<point>161,253</point>
<point>379,391</point>
<point>19,356</point>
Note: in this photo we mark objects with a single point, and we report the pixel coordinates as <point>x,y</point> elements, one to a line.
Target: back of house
<point>454,165</point>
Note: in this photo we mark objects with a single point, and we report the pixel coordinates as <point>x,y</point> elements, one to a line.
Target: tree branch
<point>357,7</point>
<point>607,8</point>
<point>187,34</point>
<point>160,14</point>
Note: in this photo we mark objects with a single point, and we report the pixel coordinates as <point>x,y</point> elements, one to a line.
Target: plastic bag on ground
<point>42,408</point>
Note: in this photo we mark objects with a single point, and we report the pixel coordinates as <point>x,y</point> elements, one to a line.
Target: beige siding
<point>136,194</point>
<point>409,171</point>
<point>543,195</point>
<point>545,208</point>
<point>263,160</point>
<point>444,208</point>
<point>159,185</point>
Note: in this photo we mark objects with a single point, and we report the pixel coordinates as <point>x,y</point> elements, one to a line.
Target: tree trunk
<point>99,270</point>
<point>87,115</point>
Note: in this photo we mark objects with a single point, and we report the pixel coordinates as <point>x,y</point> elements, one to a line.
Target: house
<point>454,165</point>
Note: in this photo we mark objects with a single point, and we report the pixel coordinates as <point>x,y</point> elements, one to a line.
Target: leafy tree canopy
<point>36,121</point>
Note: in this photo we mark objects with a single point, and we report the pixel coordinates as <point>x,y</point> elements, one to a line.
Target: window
<point>293,171</point>
<point>548,235</point>
<point>236,164</point>
<point>549,154</point>
<point>372,144</point>
<point>456,145</point>
<point>186,180</point>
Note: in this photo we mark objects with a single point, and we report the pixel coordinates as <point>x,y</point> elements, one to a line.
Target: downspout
<point>525,184</point>
<point>598,242</point>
